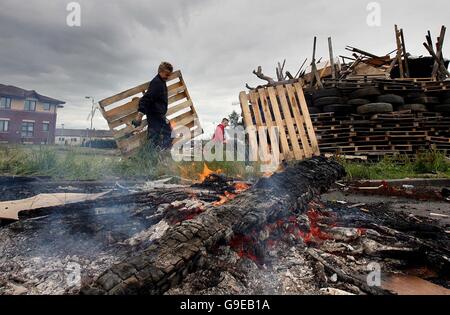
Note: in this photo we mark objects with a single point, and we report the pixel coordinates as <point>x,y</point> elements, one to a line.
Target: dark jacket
<point>155,101</point>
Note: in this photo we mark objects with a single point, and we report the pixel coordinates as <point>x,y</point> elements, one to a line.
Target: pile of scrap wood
<point>397,64</point>
<point>370,105</point>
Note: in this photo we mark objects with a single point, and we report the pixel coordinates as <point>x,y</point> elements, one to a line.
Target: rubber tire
<point>446,95</point>
<point>358,102</point>
<point>427,100</point>
<point>332,92</point>
<point>327,101</point>
<point>415,95</point>
<point>410,97</point>
<point>314,110</point>
<point>338,109</point>
<point>417,108</point>
<point>309,99</point>
<point>443,108</point>
<point>375,108</point>
<point>366,92</point>
<point>391,99</point>
<point>446,101</point>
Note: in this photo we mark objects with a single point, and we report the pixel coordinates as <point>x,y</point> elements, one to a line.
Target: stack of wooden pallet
<point>425,85</point>
<point>402,132</point>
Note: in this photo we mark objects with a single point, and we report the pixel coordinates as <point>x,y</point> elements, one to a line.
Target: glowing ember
<point>240,187</point>
<point>244,246</point>
<point>206,172</point>
<point>223,199</point>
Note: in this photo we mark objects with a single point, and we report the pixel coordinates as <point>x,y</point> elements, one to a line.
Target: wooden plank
<point>402,38</point>
<point>133,91</point>
<point>307,118</point>
<point>262,134</point>
<point>175,86</point>
<point>298,152</point>
<point>129,130</point>
<point>269,122</point>
<point>189,125</point>
<point>299,121</point>
<point>128,93</point>
<point>183,119</point>
<point>178,97</point>
<point>128,145</point>
<point>333,67</point>
<point>124,110</point>
<point>253,96</point>
<point>188,96</point>
<point>250,128</point>
<point>399,51</point>
<point>176,89</point>
<point>174,109</point>
<point>279,122</point>
<point>126,120</point>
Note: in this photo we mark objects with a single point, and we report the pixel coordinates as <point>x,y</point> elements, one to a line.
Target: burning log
<point>171,258</point>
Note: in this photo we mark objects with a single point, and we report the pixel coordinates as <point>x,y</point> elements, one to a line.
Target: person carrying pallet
<point>154,105</point>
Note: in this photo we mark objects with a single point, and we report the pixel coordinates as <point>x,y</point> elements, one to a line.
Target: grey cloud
<point>216,44</point>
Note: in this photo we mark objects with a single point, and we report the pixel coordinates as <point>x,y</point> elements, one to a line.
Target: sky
<point>216,44</point>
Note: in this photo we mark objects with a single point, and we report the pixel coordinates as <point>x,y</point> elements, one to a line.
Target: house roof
<point>16,92</point>
<point>83,133</point>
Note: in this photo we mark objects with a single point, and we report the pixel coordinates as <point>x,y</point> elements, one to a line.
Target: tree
<point>235,119</point>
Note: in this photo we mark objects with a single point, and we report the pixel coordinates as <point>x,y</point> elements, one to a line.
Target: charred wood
<point>170,259</point>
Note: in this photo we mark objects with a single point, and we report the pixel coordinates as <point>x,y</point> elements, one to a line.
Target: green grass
<point>426,164</point>
<point>91,164</point>
<point>71,163</point>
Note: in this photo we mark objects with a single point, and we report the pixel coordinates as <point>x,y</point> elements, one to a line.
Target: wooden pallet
<point>279,106</point>
<point>121,109</point>
<point>400,132</point>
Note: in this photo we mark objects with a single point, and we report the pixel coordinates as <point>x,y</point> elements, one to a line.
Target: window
<point>30,105</point>
<point>27,130</point>
<point>5,103</point>
<point>45,126</point>
<point>47,106</point>
<point>4,125</point>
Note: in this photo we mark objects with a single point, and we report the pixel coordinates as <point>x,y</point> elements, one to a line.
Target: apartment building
<point>27,117</point>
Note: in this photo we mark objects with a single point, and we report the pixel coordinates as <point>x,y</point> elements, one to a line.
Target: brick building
<point>27,117</point>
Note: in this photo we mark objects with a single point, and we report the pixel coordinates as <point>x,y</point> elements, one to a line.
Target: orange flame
<point>223,199</point>
<point>206,172</point>
<point>240,187</point>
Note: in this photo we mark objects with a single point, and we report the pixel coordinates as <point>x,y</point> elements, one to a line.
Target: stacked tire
<point>330,100</point>
<point>444,106</point>
<point>369,101</point>
<point>420,102</point>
